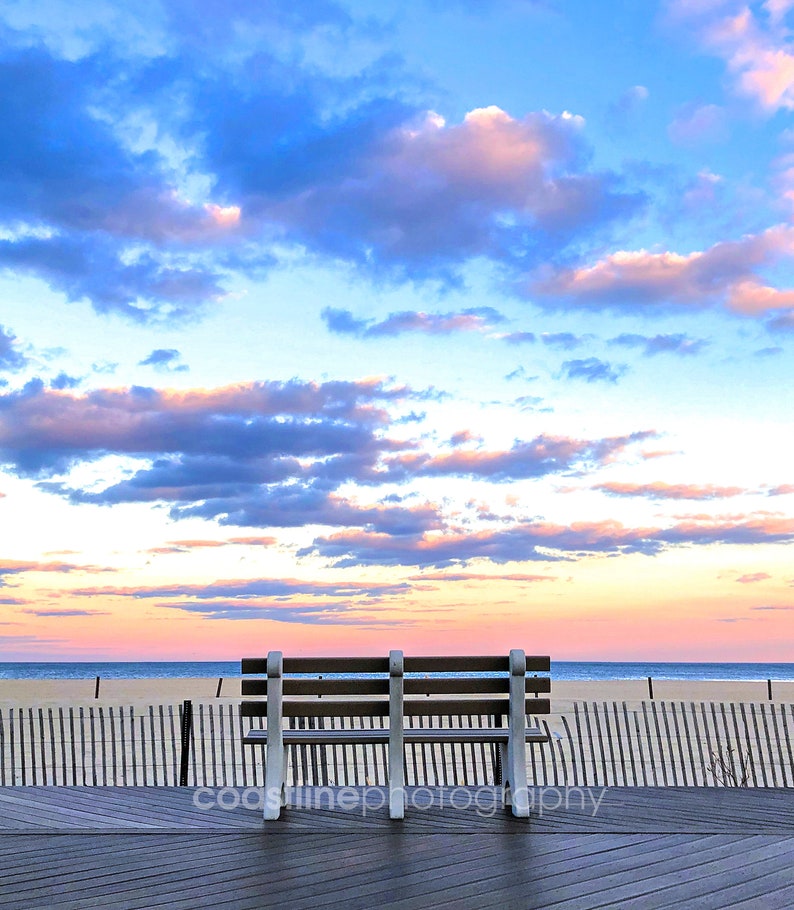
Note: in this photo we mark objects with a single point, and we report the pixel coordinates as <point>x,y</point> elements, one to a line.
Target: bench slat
<point>322,737</point>
<point>412,734</point>
<point>450,664</point>
<point>319,665</point>
<point>497,706</point>
<point>443,685</point>
<point>321,707</point>
<point>466,685</point>
<point>291,686</point>
<point>424,707</point>
<point>476,664</point>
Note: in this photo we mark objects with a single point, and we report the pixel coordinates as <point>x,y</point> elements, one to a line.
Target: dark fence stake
<point>220,683</point>
<point>497,769</point>
<point>650,688</point>
<point>96,688</point>
<point>187,727</point>
<point>769,688</point>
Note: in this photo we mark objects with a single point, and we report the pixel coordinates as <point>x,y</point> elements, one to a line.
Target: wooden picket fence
<point>596,744</point>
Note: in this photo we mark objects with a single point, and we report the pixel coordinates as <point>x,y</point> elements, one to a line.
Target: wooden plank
<point>419,734</point>
<point>320,687</point>
<point>419,664</point>
<point>319,665</point>
<point>472,664</point>
<point>380,708</point>
<point>320,708</point>
<point>413,686</point>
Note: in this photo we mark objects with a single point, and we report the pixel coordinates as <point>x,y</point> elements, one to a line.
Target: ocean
<point>560,669</point>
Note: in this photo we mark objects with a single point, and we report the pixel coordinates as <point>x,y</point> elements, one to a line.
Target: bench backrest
<point>426,686</point>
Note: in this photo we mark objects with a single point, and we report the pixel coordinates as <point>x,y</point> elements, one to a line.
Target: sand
<point>68,692</point>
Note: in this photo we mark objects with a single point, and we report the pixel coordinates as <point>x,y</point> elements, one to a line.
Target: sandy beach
<point>68,692</point>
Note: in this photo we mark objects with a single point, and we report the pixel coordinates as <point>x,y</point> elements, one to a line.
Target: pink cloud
<point>751,579</point>
<point>660,490</point>
<point>754,45</point>
<point>184,546</point>
<point>724,274</point>
<point>542,541</point>
<point>479,576</point>
<point>430,193</point>
<point>532,458</point>
<point>254,541</point>
<point>16,567</point>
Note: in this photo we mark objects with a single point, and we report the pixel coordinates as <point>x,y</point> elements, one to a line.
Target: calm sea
<point>559,669</point>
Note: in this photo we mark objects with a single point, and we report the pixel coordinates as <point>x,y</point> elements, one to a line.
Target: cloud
<point>660,490</point>
<point>303,614</point>
<point>17,567</point>
<point>11,358</point>
<point>566,341</point>
<point>94,219</point>
<point>754,577</point>
<point>541,541</point>
<point>537,457</point>
<point>140,174</point>
<point>245,589</point>
<point>66,613</point>
<point>475,319</point>
<point>754,41</point>
<point>723,275</point>
<point>253,541</point>
<point>45,431</point>
<point>253,454</point>
<point>265,454</point>
<point>698,123</point>
<point>64,381</point>
<point>408,195</point>
<point>781,490</point>
<point>661,344</point>
<point>462,437</point>
<point>165,360</point>
<point>629,102</point>
<point>26,640</point>
<point>592,369</point>
<point>519,338</point>
<point>95,269</point>
<point>782,323</point>
<point>479,576</point>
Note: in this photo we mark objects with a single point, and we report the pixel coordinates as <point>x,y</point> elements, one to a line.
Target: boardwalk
<point>118,848</point>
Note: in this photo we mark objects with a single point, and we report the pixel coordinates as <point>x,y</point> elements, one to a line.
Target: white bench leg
<point>516,765</point>
<point>396,737</point>
<point>275,781</point>
<point>276,771</point>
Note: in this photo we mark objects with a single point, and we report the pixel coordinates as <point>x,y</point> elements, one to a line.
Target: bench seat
<point>410,735</point>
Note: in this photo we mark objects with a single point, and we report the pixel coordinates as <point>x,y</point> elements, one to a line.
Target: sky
<point>348,325</point>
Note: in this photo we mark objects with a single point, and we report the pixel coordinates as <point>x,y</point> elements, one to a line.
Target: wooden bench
<point>396,687</point>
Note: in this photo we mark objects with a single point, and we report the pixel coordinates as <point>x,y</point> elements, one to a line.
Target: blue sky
<point>352,325</point>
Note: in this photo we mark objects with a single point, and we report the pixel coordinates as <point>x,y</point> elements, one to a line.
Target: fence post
<point>650,687</point>
<point>186,729</point>
<point>497,751</point>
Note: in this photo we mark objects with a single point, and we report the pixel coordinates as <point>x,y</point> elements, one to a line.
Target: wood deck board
<point>478,878</point>
<point>78,848</point>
